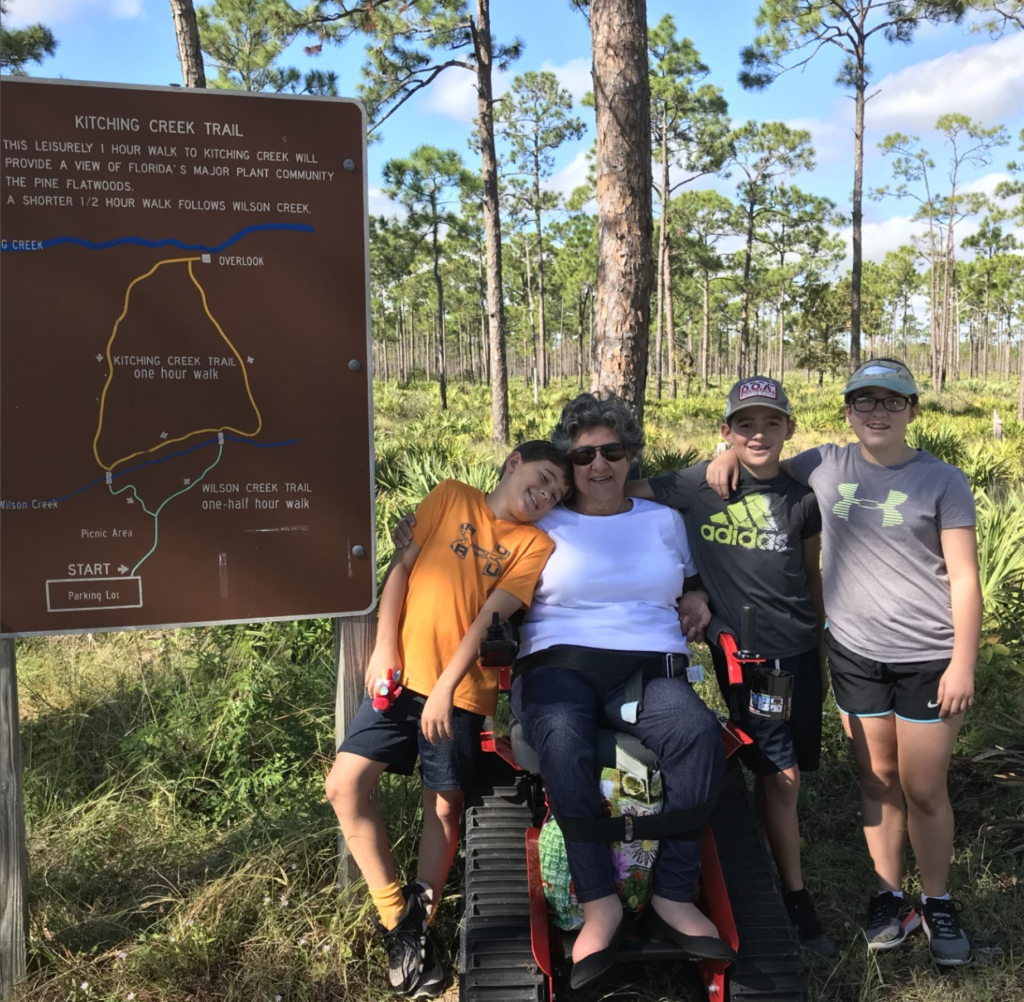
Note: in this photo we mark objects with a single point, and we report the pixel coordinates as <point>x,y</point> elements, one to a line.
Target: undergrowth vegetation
<point>181,846</point>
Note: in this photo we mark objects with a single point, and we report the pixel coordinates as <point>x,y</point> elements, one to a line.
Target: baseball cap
<point>757,391</point>
<point>883,373</point>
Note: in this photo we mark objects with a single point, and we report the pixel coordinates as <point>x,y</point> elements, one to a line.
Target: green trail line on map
<point>156,514</point>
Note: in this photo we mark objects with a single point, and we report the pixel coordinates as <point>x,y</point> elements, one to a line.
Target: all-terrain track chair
<point>510,952</point>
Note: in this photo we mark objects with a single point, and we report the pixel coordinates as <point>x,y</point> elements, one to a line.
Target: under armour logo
<point>889,507</point>
<point>492,558</point>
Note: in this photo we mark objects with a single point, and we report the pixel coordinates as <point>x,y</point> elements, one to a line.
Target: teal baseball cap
<point>883,374</point>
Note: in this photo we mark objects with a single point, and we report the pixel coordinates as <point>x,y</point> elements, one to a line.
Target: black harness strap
<point>686,824</point>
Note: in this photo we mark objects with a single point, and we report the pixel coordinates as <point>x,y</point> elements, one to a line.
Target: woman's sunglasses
<point>584,455</point>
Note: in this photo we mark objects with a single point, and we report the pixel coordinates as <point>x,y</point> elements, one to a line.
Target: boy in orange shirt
<point>472,555</point>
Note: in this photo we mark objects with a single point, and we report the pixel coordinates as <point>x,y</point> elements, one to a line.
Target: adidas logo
<point>748,523</point>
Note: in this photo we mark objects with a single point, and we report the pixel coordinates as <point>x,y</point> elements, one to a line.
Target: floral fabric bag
<point>623,791</point>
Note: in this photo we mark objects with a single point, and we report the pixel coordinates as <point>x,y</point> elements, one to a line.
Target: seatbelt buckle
<point>679,666</point>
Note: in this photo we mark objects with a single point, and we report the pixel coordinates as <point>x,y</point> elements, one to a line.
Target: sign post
<point>185,388</point>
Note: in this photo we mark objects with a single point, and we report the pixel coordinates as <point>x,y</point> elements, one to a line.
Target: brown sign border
<point>243,95</point>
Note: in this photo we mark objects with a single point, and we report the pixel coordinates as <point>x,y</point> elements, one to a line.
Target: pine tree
<point>21,46</point>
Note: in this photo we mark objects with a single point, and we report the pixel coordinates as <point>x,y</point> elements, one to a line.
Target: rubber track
<point>496,961</point>
<point>769,967</point>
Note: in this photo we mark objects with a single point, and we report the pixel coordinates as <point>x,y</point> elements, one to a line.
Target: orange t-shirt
<point>465,553</point>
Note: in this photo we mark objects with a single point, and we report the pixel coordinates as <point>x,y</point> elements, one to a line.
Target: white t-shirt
<point>612,582</point>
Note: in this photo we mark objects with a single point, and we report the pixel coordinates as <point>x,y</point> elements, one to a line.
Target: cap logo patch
<point>757,388</point>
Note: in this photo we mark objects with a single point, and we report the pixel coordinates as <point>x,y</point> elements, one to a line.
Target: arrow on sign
<point>163,434</point>
<point>187,481</point>
<point>131,500</point>
<point>122,569</point>
<point>250,359</point>
<point>99,358</point>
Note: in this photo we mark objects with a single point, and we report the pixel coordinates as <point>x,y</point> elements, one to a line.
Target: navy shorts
<point>781,744</point>
<point>395,739</point>
<point>867,688</point>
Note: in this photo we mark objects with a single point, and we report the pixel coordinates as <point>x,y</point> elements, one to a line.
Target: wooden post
<point>354,637</point>
<point>13,867</point>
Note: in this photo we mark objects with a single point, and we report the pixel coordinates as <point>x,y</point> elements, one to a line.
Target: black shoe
<point>432,981</point>
<point>809,929</point>
<point>406,945</point>
<point>595,965</point>
<point>946,937</point>
<point>696,947</point>
<point>890,921</point>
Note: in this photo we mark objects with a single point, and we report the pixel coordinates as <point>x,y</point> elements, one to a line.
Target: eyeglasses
<point>865,405</point>
<point>584,455</point>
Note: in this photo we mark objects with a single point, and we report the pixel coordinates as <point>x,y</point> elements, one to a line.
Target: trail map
<point>185,416</point>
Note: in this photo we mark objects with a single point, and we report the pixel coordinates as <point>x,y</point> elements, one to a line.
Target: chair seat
<point>607,741</point>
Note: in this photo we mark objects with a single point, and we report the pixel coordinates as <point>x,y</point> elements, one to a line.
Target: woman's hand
<point>694,615</point>
<point>723,474</point>
<point>956,690</point>
<point>436,719</point>
<point>401,536</point>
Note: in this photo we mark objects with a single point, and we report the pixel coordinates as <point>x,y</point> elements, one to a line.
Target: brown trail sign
<point>185,413</point>
<point>184,391</point>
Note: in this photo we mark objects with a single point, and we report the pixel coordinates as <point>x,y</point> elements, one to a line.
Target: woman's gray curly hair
<point>589,411</point>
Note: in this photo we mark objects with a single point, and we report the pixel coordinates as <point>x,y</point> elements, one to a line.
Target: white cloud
<point>881,237</point>
<point>381,205</point>
<point>574,76</point>
<point>832,140</point>
<point>453,93</point>
<point>984,81</point>
<point>51,12</point>
<point>571,176</point>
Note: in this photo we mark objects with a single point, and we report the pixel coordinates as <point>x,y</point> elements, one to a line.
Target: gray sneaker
<point>890,921</point>
<point>949,943</point>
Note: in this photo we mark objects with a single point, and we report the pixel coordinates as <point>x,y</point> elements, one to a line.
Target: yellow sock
<point>390,902</point>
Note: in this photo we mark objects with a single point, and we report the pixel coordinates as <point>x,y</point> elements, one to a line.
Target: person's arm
<point>811,547</point>
<point>389,613</point>
<point>640,489</point>
<point>694,611</point>
<point>436,719</point>
<point>960,550</point>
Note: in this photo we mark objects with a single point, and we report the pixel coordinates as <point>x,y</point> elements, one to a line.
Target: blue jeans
<point>561,711</point>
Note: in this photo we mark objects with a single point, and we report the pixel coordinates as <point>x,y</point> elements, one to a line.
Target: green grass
<point>181,847</point>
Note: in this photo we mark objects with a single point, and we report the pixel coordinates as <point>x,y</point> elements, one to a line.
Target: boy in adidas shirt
<point>904,604</point>
<point>761,547</point>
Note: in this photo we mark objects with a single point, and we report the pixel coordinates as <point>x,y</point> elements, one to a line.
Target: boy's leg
<point>776,796</point>
<point>447,769</point>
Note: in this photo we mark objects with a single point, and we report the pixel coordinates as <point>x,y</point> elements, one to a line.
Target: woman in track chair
<point>601,647</point>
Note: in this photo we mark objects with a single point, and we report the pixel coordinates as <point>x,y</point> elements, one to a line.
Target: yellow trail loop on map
<point>110,375</point>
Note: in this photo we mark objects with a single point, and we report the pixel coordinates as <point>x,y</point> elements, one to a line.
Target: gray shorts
<point>395,739</point>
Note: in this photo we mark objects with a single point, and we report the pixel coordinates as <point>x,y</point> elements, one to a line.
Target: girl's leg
<point>875,749</point>
<point>924,753</point>
<point>442,812</point>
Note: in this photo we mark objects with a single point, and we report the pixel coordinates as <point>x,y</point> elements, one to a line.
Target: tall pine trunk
<point>496,364</point>
<point>190,55</point>
<point>622,101</point>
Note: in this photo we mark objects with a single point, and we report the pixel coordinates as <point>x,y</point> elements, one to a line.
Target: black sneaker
<point>809,929</point>
<point>890,921</point>
<point>406,945</point>
<point>432,981</point>
<point>949,943</point>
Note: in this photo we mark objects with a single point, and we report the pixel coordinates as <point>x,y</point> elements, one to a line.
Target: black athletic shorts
<point>864,687</point>
<point>395,738</point>
<point>781,744</point>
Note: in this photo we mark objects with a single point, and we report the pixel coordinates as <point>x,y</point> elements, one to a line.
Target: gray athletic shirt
<point>886,588</point>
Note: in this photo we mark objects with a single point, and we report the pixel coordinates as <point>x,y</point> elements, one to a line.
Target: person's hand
<point>723,474</point>
<point>401,535</point>
<point>377,668</point>
<point>956,691</point>
<point>436,719</point>
<point>694,615</point>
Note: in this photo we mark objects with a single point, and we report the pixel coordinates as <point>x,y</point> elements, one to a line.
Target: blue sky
<point>945,69</point>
